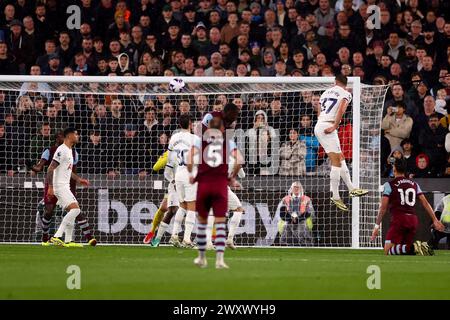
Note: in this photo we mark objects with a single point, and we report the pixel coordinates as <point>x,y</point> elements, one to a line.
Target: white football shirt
<point>63,172</point>
<point>179,146</point>
<point>330,101</point>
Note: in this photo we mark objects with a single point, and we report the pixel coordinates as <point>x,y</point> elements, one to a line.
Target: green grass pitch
<point>119,272</point>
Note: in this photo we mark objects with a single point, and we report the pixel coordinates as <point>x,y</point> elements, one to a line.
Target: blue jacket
<point>312,146</point>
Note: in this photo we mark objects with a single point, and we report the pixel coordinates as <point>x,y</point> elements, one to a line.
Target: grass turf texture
<point>118,272</point>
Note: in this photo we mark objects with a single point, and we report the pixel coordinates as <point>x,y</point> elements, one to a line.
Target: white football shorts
<point>186,191</point>
<point>233,200</point>
<point>172,196</point>
<point>65,197</point>
<point>330,142</point>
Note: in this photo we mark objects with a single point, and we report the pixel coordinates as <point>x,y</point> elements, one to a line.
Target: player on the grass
<point>235,206</point>
<point>172,204</point>
<point>160,164</point>
<point>59,174</point>
<point>49,204</point>
<point>212,152</point>
<point>179,146</point>
<point>333,103</point>
<point>400,196</point>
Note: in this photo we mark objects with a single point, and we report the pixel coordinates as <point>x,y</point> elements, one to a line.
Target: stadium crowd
<point>127,132</point>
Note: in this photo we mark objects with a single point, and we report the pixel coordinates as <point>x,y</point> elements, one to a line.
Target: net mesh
<point>125,127</point>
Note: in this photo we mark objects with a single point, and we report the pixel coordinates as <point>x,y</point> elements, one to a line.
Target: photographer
<point>297,214</point>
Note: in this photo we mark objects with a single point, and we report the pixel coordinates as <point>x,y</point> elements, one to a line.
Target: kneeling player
<point>400,195</point>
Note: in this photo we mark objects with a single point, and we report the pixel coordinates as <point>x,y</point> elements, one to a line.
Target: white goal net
<point>125,125</point>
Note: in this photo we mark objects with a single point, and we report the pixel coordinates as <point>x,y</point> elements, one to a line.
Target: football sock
<point>189,224</point>
<point>220,240</point>
<point>68,218</point>
<point>209,229</point>
<point>159,215</point>
<point>201,239</point>
<point>45,223</point>
<point>179,216</point>
<point>84,226</point>
<point>401,249</point>
<point>162,229</point>
<point>68,232</point>
<point>345,175</point>
<point>234,223</point>
<point>335,176</point>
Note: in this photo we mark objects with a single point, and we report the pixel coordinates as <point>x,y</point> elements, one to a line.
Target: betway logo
<point>142,213</point>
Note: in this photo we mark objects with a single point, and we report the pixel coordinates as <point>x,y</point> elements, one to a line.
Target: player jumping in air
<point>334,102</point>
<point>211,153</point>
<point>58,178</point>
<point>179,146</point>
<point>45,217</point>
<point>400,195</point>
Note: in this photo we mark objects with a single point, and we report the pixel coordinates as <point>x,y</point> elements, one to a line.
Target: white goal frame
<point>353,82</point>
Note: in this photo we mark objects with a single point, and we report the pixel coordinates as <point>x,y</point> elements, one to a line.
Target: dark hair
<point>342,79</point>
<point>184,121</point>
<point>401,104</point>
<point>68,131</point>
<point>405,141</point>
<point>230,108</point>
<point>433,116</point>
<point>400,165</point>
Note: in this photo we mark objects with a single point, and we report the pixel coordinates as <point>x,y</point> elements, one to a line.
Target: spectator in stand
<point>423,169</point>
<point>7,61</point>
<point>53,67</point>
<point>409,154</point>
<point>99,153</point>
<point>306,134</point>
<point>432,143</point>
<point>261,138</point>
<point>42,140</point>
<point>292,155</point>
<point>396,124</point>
<point>398,95</point>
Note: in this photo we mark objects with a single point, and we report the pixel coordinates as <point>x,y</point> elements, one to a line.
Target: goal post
<point>125,124</point>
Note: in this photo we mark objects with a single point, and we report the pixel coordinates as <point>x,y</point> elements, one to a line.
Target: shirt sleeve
<point>162,161</point>
<point>232,145</point>
<point>206,119</point>
<point>198,142</point>
<point>76,158</point>
<point>387,190</point>
<point>58,156</point>
<point>419,190</point>
<point>348,96</point>
<point>46,155</point>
